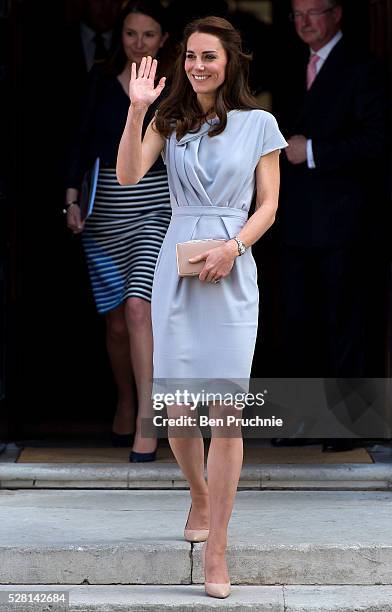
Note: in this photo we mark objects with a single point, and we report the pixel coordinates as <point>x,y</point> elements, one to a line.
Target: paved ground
<point>192,598</point>
<point>135,537</point>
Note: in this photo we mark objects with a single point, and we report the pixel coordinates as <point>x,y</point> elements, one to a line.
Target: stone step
<point>142,598</point>
<point>135,537</point>
<point>345,476</point>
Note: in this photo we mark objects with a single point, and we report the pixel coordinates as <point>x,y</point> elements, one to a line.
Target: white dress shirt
<point>87,35</point>
<point>323,54</point>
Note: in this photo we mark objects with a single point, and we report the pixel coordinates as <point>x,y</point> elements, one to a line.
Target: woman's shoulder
<point>253,122</point>
<point>252,114</point>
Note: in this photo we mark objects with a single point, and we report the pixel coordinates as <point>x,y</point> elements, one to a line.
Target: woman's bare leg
<point>188,448</point>
<point>138,318</point>
<point>117,344</point>
<point>224,465</point>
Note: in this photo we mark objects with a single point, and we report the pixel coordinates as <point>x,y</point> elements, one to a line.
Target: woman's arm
<point>219,261</point>
<point>80,154</point>
<point>135,157</point>
<point>267,196</point>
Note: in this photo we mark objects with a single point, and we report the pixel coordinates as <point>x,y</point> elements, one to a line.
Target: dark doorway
<point>58,377</point>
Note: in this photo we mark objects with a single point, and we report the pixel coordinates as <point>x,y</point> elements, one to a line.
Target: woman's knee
<point>183,422</point>
<point>116,325</point>
<point>137,311</point>
<point>225,421</point>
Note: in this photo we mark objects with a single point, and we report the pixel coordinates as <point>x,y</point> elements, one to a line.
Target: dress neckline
<point>215,118</point>
<point>203,129</point>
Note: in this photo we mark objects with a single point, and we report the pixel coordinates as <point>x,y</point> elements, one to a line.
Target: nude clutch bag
<point>191,248</point>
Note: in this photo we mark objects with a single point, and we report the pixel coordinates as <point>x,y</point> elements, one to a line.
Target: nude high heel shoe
<point>214,589</point>
<point>195,535</point>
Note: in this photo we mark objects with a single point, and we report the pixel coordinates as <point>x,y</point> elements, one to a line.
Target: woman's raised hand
<point>141,86</point>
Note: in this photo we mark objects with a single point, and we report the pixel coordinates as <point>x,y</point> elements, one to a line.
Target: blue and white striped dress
<point>123,236</point>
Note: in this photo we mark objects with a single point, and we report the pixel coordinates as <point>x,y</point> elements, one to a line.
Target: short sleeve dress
<point>204,330</point>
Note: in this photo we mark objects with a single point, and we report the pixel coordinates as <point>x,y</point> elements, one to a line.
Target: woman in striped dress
<point>123,235</point>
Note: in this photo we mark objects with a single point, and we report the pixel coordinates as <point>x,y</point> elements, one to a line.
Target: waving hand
<point>141,86</point>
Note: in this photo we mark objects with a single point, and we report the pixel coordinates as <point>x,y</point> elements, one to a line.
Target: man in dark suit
<point>88,41</point>
<point>329,200</point>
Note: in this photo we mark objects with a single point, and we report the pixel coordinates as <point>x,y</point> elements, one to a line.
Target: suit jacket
<point>344,114</point>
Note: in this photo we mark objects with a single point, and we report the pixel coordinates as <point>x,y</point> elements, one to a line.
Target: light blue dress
<point>206,330</point>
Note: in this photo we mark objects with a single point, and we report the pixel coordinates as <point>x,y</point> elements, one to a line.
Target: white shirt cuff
<point>309,154</point>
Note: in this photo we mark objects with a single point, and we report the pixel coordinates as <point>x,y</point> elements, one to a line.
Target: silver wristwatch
<point>241,247</point>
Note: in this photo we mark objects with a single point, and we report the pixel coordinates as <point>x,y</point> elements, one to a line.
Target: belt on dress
<point>217,211</point>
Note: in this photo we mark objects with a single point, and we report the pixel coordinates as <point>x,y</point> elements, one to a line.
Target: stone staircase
<point>122,549</point>
<point>166,475</point>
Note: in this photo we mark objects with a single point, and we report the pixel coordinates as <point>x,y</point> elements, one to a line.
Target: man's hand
<point>296,151</point>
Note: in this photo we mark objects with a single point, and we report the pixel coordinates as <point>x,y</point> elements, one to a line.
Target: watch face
<point>240,245</point>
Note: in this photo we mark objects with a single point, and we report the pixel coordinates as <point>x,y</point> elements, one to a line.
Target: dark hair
<point>181,110</point>
<point>117,58</point>
<point>331,3</point>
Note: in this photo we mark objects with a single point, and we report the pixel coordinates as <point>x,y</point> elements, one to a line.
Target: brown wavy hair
<point>181,111</point>
<point>114,65</point>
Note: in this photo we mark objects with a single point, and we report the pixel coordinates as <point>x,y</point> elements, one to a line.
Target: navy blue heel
<point>136,457</point>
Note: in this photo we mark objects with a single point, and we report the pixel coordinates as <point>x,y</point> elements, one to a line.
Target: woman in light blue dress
<point>220,149</point>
